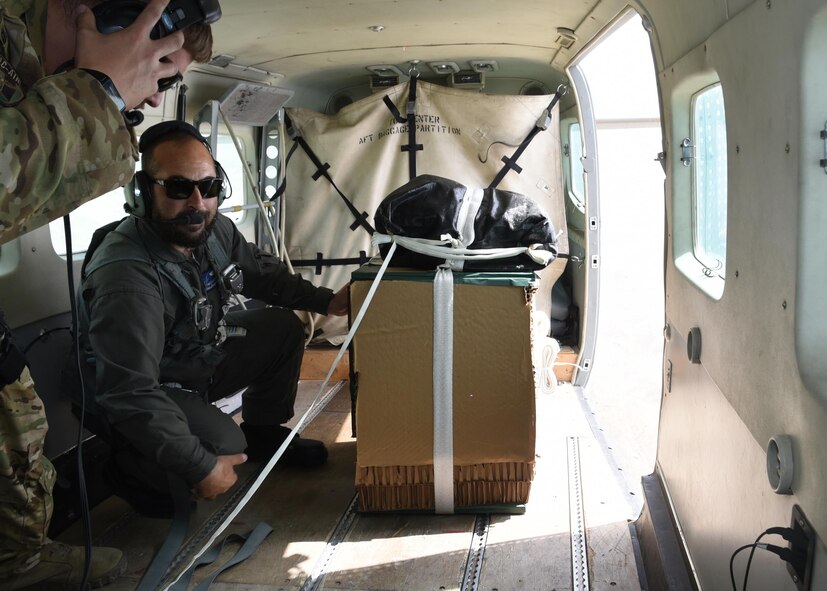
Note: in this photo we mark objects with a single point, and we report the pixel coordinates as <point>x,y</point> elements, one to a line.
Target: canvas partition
<point>464,136</point>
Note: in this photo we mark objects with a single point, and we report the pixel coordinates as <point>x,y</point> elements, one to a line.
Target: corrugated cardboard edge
<point>389,488</point>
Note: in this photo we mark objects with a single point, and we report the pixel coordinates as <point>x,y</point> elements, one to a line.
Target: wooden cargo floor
<point>370,552</point>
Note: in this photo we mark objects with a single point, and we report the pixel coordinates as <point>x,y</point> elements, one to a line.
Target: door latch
<point>823,161</point>
<point>686,151</point>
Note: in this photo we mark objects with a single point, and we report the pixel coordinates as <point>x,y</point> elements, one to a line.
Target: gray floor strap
<point>175,537</point>
<point>251,542</point>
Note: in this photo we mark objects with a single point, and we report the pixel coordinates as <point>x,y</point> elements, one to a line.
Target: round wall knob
<point>693,345</point>
<point>780,467</point>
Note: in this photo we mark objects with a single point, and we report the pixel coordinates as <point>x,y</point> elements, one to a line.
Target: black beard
<point>174,233</point>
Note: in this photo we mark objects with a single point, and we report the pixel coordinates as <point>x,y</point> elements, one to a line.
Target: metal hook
<point>413,71</point>
<point>563,89</point>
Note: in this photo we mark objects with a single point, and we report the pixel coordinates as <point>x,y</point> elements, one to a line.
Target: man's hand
<point>129,57</point>
<point>220,479</point>
<point>338,306</point>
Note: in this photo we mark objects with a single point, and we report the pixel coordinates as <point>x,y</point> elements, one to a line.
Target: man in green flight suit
<point>163,343</point>
<point>65,141</point>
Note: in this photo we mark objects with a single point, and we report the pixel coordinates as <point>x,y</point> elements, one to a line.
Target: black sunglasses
<point>183,188</point>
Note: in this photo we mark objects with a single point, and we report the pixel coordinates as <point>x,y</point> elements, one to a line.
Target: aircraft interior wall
<point>719,415</point>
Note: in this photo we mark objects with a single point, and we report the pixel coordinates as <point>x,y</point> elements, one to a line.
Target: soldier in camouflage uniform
<point>64,141</point>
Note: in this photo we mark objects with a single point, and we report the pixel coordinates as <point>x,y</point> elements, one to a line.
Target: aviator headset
<point>139,199</point>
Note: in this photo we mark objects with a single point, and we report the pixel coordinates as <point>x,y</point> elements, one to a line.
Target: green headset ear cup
<point>139,195</point>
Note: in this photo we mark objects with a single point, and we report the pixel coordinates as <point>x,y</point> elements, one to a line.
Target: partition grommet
<point>693,345</point>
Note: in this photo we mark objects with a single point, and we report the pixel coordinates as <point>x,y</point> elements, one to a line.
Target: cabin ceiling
<point>332,40</point>
<point>321,49</point>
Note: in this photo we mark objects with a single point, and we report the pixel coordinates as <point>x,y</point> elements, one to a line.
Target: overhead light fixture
<point>484,66</point>
<point>385,70</point>
<point>467,79</point>
<point>443,68</point>
<point>565,37</point>
<point>222,60</point>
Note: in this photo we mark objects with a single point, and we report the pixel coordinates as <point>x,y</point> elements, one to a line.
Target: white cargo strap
<point>465,222</point>
<point>299,426</point>
<point>443,391</point>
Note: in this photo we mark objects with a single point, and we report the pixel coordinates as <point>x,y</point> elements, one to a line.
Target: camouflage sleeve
<point>63,144</point>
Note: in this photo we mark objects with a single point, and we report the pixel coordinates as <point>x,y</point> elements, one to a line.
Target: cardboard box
<point>493,389</point>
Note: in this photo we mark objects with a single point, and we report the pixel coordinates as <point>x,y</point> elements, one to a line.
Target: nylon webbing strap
<point>443,391</point>
<point>543,123</point>
<point>412,147</point>
<point>320,261</point>
<point>251,542</point>
<point>175,536</point>
<point>322,171</point>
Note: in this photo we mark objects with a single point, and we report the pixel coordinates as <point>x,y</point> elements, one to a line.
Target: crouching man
<point>155,324</point>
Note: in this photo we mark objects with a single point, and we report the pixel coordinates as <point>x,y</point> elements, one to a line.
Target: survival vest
<point>125,250</point>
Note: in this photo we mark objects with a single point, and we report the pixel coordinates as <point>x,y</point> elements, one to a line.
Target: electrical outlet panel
<point>801,565</point>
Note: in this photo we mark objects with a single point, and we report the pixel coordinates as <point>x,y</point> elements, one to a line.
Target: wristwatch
<point>108,87</point>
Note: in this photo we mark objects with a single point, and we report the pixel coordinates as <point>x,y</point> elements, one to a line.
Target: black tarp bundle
<point>430,207</point>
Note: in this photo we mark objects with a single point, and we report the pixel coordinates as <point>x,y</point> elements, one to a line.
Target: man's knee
<point>227,441</point>
<point>292,327</point>
<point>216,430</point>
<point>269,326</point>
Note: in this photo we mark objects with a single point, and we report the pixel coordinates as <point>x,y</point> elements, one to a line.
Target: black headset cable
<point>84,500</point>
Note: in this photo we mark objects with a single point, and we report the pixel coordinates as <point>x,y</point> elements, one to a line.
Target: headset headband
<point>159,131</point>
<point>139,198</point>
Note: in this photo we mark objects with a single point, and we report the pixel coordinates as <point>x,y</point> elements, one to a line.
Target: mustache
<point>192,218</point>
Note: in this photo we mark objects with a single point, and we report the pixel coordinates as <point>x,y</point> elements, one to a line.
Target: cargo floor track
<point>573,535</point>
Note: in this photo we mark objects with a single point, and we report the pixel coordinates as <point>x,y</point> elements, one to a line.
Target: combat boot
<point>264,440</point>
<point>61,568</point>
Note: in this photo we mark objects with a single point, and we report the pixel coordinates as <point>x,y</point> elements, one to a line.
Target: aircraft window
<point>227,155</point>
<point>578,188</point>
<point>109,207</point>
<point>86,219</point>
<point>709,180</point>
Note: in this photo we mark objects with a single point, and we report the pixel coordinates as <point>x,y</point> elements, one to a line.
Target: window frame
<point>711,263</point>
<point>711,283</point>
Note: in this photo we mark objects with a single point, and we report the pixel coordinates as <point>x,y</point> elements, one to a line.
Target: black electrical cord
<point>732,560</point>
<point>84,500</point>
<point>785,554</point>
<point>43,334</point>
<point>749,560</point>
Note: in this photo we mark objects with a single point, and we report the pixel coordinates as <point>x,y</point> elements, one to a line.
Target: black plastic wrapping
<point>428,207</point>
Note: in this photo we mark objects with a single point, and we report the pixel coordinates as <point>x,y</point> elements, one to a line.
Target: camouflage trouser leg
<point>26,476</point>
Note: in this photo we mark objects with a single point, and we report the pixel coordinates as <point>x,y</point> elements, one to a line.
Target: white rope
<point>546,350</point>
<point>307,317</point>
<point>436,249</point>
<point>253,185</point>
